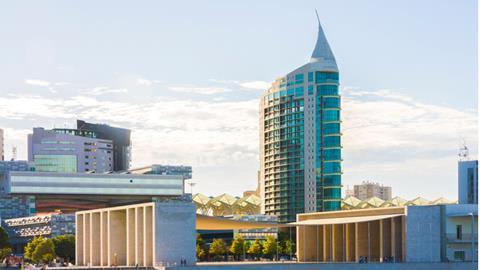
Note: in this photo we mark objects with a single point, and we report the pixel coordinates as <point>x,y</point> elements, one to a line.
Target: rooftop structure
<point>300,150</point>
<point>79,191</point>
<point>352,202</point>
<point>185,171</point>
<point>225,204</point>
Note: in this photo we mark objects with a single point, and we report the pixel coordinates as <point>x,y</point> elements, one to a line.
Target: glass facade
<point>55,163</point>
<point>300,139</point>
<point>284,144</point>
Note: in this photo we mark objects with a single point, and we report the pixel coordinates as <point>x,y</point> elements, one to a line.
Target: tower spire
<point>322,54</point>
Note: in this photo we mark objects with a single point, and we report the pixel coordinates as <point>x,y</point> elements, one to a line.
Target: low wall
<point>331,266</point>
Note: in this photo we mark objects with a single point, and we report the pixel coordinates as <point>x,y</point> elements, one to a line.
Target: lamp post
<point>472,232</point>
<point>191,184</point>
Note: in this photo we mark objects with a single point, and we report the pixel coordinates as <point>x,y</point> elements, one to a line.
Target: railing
<point>465,237</point>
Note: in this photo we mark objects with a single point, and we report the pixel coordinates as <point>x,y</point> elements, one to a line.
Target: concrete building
<point>70,192</point>
<point>468,182</point>
<point>369,189</point>
<point>437,233</point>
<point>69,150</point>
<point>300,150</point>
<point>149,234</point>
<point>23,230</point>
<point>122,145</point>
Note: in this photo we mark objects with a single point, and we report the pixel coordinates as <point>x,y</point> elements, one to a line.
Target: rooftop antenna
<point>318,18</point>
<point>14,153</point>
<point>463,152</point>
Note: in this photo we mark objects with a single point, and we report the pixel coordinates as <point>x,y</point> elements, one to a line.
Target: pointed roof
<point>322,56</point>
<point>418,201</point>
<point>442,200</point>
<point>200,199</point>
<point>397,201</point>
<point>372,202</point>
<point>352,201</point>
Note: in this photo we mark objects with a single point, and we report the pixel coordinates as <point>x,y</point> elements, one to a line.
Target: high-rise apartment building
<point>69,150</point>
<point>122,146</point>
<point>468,182</point>
<point>368,189</point>
<point>300,150</point>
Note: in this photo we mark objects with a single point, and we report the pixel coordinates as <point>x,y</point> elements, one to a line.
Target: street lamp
<point>472,232</point>
<point>191,184</point>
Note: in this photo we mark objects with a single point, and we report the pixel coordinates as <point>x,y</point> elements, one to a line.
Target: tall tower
<point>300,150</point>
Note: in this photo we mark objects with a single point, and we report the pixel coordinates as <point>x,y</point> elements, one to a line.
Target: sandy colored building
<point>429,233</point>
<point>148,234</point>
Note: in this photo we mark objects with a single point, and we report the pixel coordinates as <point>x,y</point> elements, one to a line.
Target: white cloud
<point>101,90</point>
<point>37,82</point>
<point>143,81</point>
<point>258,85</point>
<point>198,90</point>
<point>388,137</point>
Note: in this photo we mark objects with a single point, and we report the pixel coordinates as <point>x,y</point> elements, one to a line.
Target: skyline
<point>168,105</point>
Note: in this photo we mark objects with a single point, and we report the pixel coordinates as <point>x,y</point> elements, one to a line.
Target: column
<point>350,242</point>
<point>79,239</point>
<point>362,240</point>
<point>86,238</point>
<point>130,236</point>
<point>147,236</point>
<point>337,242</point>
<point>139,237</point>
<point>374,241</point>
<point>95,239</point>
<point>104,238</point>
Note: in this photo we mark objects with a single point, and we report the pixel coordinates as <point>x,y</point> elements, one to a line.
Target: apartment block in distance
<point>369,189</point>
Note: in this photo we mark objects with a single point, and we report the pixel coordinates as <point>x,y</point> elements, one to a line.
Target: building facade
<point>145,235</point>
<point>468,182</point>
<point>122,145</point>
<point>23,230</point>
<point>368,190</point>
<point>69,150</point>
<point>2,145</point>
<point>300,150</point>
<point>433,234</point>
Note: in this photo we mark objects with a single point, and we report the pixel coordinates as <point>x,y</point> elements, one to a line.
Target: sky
<point>186,77</point>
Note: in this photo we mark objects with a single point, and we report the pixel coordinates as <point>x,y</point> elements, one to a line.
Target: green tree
<point>31,246</point>
<point>255,249</point>
<point>44,252</point>
<point>288,248</point>
<point>270,247</point>
<point>238,246</point>
<point>4,252</point>
<point>4,239</point>
<point>218,247</point>
<point>65,246</point>
<point>200,248</point>
<point>200,252</point>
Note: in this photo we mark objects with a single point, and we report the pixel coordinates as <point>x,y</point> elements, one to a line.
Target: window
<point>459,255</point>
<point>310,76</point>
<point>459,232</point>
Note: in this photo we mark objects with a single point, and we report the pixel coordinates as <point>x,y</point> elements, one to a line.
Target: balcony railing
<point>465,237</point>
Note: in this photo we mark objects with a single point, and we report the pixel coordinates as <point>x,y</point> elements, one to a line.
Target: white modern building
<point>149,234</point>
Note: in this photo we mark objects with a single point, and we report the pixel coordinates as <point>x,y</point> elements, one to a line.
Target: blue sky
<point>186,77</point>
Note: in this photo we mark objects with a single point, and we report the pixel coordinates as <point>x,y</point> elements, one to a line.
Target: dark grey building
<point>121,142</point>
<point>468,182</point>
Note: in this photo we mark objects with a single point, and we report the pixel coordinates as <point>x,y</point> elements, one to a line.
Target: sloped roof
<point>418,201</point>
